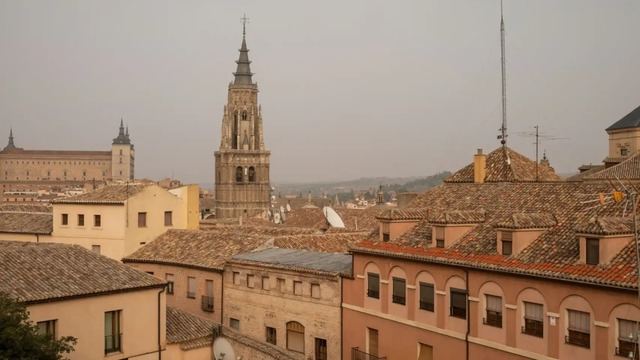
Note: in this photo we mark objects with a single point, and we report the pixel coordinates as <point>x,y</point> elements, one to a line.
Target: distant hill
<point>367,184</point>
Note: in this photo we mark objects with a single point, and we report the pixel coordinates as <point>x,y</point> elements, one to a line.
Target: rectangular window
<point>494,311</point>
<point>207,298</point>
<point>282,285</point>
<point>250,278</point>
<point>47,328</point>
<point>236,278</point>
<point>373,285</point>
<point>399,291</point>
<point>579,328</point>
<point>271,335</point>
<point>168,218</point>
<point>95,249</point>
<point>142,219</point>
<point>65,219</point>
<point>170,281</point>
<point>297,287</point>
<point>234,323</point>
<point>507,242</point>
<point>439,236</point>
<point>372,344</point>
<point>385,237</point>
<point>80,219</point>
<point>191,287</point>
<point>593,251</point>
<point>315,291</point>
<point>426,296</point>
<point>97,220</point>
<point>627,338</point>
<point>321,349</point>
<point>533,319</point>
<point>265,283</point>
<point>458,306</point>
<point>112,335</point>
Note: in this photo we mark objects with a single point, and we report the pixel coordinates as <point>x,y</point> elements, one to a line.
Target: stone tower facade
<point>242,162</point>
<point>122,156</point>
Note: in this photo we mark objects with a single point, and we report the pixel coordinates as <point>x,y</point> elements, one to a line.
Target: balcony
<point>112,343</point>
<point>356,354</point>
<point>398,299</point>
<point>373,293</point>
<point>207,303</point>
<point>578,338</point>
<point>627,348</point>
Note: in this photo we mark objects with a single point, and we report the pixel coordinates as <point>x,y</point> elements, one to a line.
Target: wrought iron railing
<point>357,354</point>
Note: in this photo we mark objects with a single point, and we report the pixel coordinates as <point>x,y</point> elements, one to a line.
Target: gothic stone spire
<point>243,71</point>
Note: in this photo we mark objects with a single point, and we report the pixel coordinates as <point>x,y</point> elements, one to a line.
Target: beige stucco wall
<point>179,297</point>
<point>122,162</point>
<point>257,308</point>
<point>118,236</point>
<point>33,166</point>
<point>83,318</point>
<point>23,237</point>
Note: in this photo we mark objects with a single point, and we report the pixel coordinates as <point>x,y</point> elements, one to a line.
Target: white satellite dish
<point>288,207</point>
<point>276,218</point>
<point>222,349</point>
<point>333,218</point>
<point>283,214</point>
<point>281,209</point>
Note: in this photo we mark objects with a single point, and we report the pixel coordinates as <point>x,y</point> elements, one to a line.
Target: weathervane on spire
<point>244,20</point>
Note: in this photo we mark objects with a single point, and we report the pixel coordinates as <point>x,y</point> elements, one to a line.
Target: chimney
<point>479,167</point>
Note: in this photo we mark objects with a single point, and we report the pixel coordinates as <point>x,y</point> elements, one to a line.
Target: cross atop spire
<point>243,71</point>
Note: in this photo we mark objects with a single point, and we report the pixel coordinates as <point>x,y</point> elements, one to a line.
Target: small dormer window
<point>593,251</point>
<point>507,243</point>
<point>624,151</point>
<point>439,236</point>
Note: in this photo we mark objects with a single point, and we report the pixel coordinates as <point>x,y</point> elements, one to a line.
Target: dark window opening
<point>80,219</point>
<point>239,175</point>
<point>493,311</point>
<point>399,291</point>
<point>373,285</point>
<point>533,319</point>
<point>593,251</point>
<point>458,306</point>
<point>252,174</point>
<point>271,335</point>
<point>426,296</point>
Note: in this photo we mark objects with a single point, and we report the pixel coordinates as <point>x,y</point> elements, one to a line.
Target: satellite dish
<point>276,218</point>
<point>283,215</point>
<point>222,349</point>
<point>281,209</point>
<point>333,218</point>
<point>288,207</point>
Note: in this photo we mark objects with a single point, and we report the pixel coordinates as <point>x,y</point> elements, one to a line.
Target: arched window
<point>252,174</point>
<point>295,336</point>
<point>239,174</point>
<point>244,115</point>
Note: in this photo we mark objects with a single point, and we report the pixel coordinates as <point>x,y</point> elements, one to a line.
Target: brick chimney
<point>479,167</point>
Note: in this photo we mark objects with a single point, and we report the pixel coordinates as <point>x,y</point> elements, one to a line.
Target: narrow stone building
<point>242,162</point>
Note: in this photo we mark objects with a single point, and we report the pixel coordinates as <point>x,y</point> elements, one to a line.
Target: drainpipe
<point>222,300</point>
<point>341,280</point>
<point>466,336</point>
<point>159,323</point>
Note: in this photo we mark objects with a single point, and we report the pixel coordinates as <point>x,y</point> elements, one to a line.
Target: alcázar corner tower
<point>242,163</point>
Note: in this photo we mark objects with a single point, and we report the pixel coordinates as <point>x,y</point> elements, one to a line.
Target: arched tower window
<point>234,131</point>
<point>244,115</point>
<point>252,174</point>
<point>239,174</point>
<point>295,336</point>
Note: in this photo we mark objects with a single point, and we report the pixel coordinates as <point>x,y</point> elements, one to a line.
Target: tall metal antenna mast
<point>538,140</point>
<point>244,20</point>
<point>503,129</point>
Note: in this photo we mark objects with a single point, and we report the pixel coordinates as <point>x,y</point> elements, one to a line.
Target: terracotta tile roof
<point>207,249</point>
<point>506,165</point>
<point>39,272</point>
<point>555,254</point>
<point>327,242</point>
<point>354,219</point>
<point>402,214</point>
<point>532,220</point>
<point>629,169</point>
<point>26,222</point>
<point>606,225</point>
<point>313,261</point>
<point>190,331</point>
<point>110,194</point>
<point>457,217</point>
<point>30,208</point>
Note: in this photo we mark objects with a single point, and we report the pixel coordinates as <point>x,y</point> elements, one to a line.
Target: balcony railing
<point>207,303</point>
<point>533,327</point>
<point>398,299</point>
<point>578,338</point>
<point>112,343</point>
<point>628,349</point>
<point>373,293</point>
<point>357,354</point>
<point>191,295</point>
<point>426,305</point>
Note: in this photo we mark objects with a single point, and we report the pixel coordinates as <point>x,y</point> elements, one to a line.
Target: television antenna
<point>535,133</point>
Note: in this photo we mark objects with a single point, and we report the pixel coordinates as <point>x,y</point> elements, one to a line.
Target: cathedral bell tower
<point>242,162</point>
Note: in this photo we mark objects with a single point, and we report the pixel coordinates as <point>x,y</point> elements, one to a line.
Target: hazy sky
<point>348,88</point>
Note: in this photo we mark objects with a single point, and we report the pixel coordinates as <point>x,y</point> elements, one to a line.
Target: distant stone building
<point>242,162</point>
<point>33,170</point>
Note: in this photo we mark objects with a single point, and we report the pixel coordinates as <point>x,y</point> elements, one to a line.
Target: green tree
<point>20,339</point>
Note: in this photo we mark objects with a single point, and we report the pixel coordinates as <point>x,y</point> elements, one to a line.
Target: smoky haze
<point>348,88</point>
